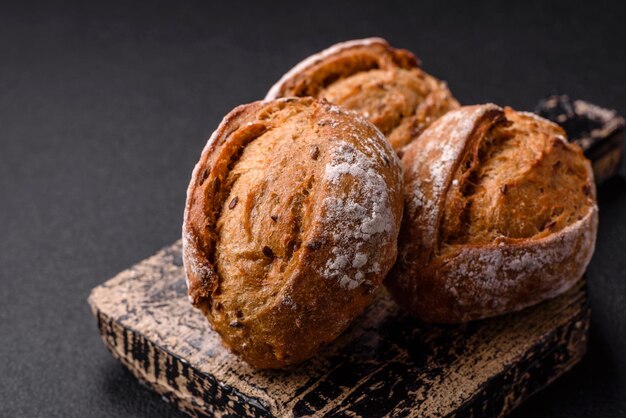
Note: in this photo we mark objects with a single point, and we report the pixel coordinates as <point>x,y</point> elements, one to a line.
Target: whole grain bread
<point>500,214</point>
<point>382,83</point>
<point>290,226</point>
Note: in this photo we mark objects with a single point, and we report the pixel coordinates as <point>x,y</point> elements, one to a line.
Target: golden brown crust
<point>382,83</point>
<point>500,214</point>
<point>291,223</point>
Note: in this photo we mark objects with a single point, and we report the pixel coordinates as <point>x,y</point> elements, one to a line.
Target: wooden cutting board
<point>387,363</point>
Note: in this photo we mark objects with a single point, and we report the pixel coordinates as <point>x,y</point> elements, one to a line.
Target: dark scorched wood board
<point>387,363</point>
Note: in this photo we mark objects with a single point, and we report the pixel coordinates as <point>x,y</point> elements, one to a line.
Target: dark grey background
<point>104,109</point>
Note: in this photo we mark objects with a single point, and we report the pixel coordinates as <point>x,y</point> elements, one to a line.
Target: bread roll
<point>382,83</point>
<point>291,224</point>
<point>500,214</point>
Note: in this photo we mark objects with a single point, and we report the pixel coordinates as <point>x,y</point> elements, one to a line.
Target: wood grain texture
<point>387,363</point>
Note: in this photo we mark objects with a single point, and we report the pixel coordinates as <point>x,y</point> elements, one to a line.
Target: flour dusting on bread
<point>357,216</point>
<point>495,271</point>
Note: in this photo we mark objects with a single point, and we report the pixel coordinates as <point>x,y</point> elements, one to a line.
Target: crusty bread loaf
<point>291,224</point>
<point>382,83</point>
<point>500,213</point>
